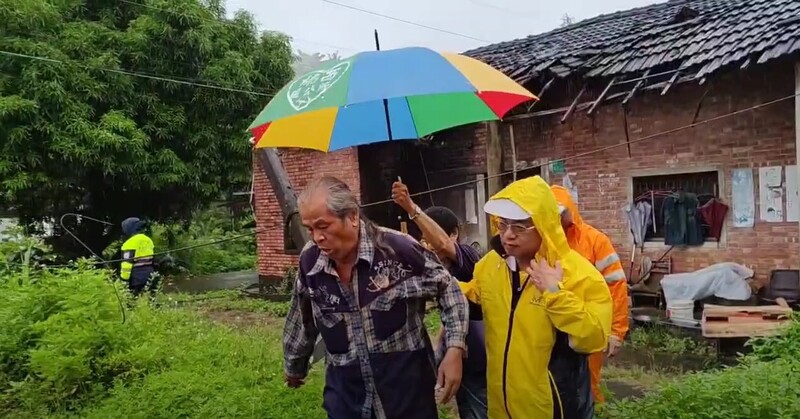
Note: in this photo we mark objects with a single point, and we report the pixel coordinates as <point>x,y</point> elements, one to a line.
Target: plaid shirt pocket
<point>389,313</point>
<point>333,329</point>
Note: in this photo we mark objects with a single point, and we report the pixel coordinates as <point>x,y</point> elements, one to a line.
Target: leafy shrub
<point>765,385</point>
<point>759,390</point>
<point>194,256</point>
<point>785,346</point>
<point>662,339</point>
<point>64,350</point>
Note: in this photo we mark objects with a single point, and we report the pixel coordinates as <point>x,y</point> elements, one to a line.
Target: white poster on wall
<point>792,197</point>
<point>770,188</point>
<point>744,201</point>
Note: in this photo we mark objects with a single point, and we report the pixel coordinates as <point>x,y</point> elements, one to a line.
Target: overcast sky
<point>319,26</point>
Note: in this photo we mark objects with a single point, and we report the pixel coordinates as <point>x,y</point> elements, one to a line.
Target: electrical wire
<point>470,182</point>
<point>408,22</point>
<point>599,150</point>
<point>136,74</point>
<point>234,24</point>
<point>78,217</point>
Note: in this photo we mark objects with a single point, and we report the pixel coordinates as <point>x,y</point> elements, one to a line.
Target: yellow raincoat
<point>520,340</point>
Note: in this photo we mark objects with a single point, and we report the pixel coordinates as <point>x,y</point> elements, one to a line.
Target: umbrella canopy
<point>376,96</point>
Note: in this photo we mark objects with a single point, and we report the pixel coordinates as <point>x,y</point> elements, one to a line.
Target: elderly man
<point>545,308</point>
<point>364,289</point>
<point>597,248</point>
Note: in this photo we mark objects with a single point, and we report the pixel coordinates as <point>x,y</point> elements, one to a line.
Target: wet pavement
<point>205,283</point>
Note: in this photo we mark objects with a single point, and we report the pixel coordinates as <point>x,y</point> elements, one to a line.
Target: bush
<point>760,390</point>
<point>64,350</point>
<point>212,225</point>
<point>765,385</point>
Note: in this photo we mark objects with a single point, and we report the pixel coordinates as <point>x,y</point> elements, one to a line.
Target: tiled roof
<point>700,36</point>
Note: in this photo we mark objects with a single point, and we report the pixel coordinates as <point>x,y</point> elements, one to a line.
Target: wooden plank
<point>494,158</point>
<point>744,321</point>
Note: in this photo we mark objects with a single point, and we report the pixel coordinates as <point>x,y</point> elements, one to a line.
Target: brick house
<point>607,85</point>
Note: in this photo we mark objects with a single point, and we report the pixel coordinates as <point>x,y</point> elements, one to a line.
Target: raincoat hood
<point>534,196</point>
<point>564,198</point>
<point>132,226</point>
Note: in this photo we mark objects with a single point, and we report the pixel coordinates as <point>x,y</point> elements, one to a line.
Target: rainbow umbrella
<point>375,96</point>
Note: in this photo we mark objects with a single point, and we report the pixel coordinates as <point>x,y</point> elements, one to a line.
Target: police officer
<point>137,254</point>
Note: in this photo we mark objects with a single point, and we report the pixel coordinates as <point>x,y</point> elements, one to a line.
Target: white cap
<point>505,208</point>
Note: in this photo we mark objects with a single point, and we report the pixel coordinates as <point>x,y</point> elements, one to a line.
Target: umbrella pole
<point>403,224</point>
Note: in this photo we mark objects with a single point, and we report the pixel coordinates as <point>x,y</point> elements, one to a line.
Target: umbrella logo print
<point>307,89</point>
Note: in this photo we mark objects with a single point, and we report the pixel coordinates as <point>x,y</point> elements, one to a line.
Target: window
<point>704,184</point>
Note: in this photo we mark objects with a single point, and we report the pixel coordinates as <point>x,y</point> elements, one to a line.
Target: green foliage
<point>236,252</point>
<point>225,300</point>
<point>760,390</point>
<point>665,340</point>
<point>80,133</point>
<point>65,351</point>
<point>765,385</point>
<point>785,346</point>
<point>19,251</point>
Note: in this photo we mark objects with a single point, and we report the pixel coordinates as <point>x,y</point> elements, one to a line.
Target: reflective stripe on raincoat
<point>596,247</point>
<point>520,341</point>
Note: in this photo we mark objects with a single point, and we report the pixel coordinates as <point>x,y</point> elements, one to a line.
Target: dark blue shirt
<point>462,269</point>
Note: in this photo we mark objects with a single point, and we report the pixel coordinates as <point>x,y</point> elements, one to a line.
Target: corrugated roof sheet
<point>700,36</point>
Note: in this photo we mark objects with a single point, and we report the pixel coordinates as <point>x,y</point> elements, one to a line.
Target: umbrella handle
<point>403,224</point>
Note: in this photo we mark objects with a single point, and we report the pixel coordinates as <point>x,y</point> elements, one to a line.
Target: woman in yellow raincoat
<point>541,318</point>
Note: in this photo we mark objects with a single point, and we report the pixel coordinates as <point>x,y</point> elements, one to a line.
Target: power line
<point>599,150</point>
<point>408,22</point>
<point>234,24</point>
<point>470,182</point>
<point>168,79</point>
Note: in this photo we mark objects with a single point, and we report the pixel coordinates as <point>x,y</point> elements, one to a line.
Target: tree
<point>80,132</point>
<point>566,20</point>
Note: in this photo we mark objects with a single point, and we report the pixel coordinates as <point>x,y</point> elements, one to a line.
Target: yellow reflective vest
<point>137,253</point>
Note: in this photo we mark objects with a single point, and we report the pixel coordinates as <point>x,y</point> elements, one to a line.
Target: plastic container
<point>681,310</point>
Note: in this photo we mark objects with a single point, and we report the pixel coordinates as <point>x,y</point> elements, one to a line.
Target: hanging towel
<point>713,213</point>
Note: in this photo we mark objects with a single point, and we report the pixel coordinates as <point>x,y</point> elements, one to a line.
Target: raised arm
<point>299,335</point>
<point>435,236</point>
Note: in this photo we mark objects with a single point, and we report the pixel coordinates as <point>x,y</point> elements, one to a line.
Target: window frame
<point>708,244</point>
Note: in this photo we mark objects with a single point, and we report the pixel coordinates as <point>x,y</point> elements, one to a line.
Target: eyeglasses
<point>517,229</point>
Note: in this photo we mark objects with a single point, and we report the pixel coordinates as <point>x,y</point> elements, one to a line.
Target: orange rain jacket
<point>596,247</point>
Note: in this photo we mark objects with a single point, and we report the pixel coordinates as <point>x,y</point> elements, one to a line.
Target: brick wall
<point>301,166</point>
<point>764,137</point>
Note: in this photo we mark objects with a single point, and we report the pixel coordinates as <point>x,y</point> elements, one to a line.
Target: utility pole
<point>271,164</point>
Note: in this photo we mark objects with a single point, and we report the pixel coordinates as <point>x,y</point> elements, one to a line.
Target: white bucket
<point>681,310</point>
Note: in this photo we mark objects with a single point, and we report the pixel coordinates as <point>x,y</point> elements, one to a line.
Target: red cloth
<point>713,213</point>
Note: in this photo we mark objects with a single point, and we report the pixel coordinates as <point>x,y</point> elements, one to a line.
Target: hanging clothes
<point>682,224</point>
<point>713,213</point>
<point>639,217</point>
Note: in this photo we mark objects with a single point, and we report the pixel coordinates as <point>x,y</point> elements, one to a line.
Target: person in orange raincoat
<point>596,247</point>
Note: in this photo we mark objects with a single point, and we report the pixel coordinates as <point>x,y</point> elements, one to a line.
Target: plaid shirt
<point>309,300</point>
